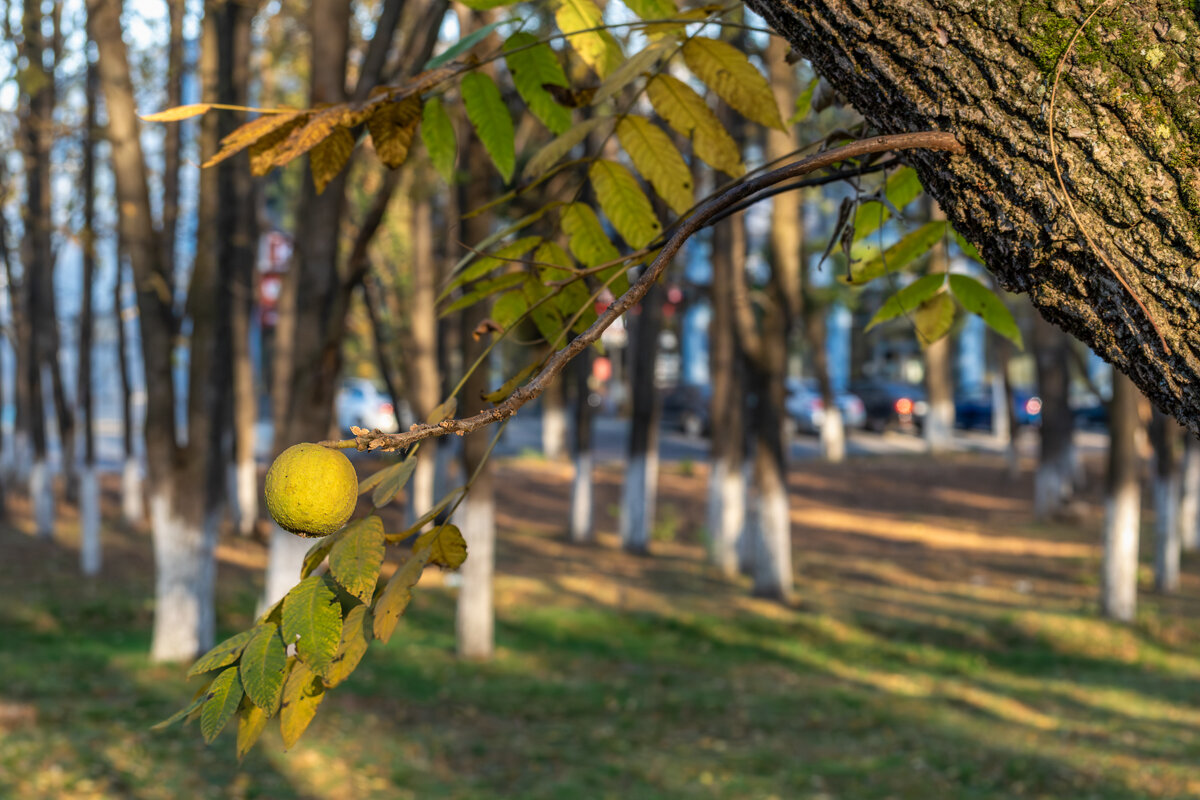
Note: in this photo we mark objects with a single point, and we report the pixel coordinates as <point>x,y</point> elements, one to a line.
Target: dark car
<point>974,411</point>
<point>686,408</point>
<point>891,404</point>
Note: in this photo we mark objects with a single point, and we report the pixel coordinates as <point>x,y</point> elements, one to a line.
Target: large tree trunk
<point>727,448</point>
<point>1119,568</point>
<point>639,493</point>
<point>1166,437</point>
<point>1125,126</point>
<point>939,383</point>
<point>1054,483</point>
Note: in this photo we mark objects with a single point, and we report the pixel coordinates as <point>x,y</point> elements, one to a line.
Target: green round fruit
<point>311,490</point>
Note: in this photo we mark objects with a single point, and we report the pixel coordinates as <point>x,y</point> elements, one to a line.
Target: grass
<point>911,668</point>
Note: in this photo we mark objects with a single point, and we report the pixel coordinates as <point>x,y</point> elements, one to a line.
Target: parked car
<point>361,403</point>
<point>805,406</point>
<point>686,408</point>
<point>975,410</point>
<point>1089,411</point>
<point>892,404</point>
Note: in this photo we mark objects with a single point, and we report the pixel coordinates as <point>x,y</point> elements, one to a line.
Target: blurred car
<point>974,411</point>
<point>892,404</point>
<point>1089,411</point>
<point>360,402</point>
<point>686,408</point>
<point>805,406</point>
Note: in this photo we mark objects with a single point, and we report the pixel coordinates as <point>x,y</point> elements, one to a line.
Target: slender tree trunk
<point>17,468</point>
<point>1004,419</point>
<point>582,522</point>
<point>89,507</point>
<point>939,383</point>
<point>554,421</point>
<point>1167,438</point>
<point>726,486</point>
<point>639,492</point>
<point>173,134</point>
<point>1054,484</point>
<point>1119,568</point>
<point>1189,502</point>
<point>773,541</point>
<point>133,506</point>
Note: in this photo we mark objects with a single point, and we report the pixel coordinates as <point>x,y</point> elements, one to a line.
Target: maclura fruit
<point>311,490</point>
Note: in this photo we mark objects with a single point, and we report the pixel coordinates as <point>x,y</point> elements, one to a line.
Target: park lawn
<point>941,645</point>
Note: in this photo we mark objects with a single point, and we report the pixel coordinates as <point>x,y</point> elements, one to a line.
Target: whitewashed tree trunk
<point>475,616</point>
<point>284,561</point>
<point>638,498</point>
<point>41,490</point>
<point>1119,565</point>
<point>246,491</point>
<point>582,523</point>
<point>726,514</point>
<point>554,421</point>
<point>833,435</point>
<point>185,573</point>
<point>939,420</point>
<point>773,539</point>
<point>132,504</point>
<point>1189,502</point>
<point>22,458</point>
<point>89,521</point>
<point>421,489</point>
<point>1166,539</point>
<point>1000,424</point>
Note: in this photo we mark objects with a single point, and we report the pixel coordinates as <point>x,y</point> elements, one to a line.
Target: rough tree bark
<point>1127,128</point>
<point>1122,520</point>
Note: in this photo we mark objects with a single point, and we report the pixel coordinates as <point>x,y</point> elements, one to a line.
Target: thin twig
<point>928,140</point>
<point>1066,197</point>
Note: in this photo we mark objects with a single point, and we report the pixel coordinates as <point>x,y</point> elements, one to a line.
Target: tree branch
<point>375,440</point>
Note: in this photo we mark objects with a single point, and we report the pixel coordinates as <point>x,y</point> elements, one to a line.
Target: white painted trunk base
<point>185,573</point>
<point>89,521</point>
<point>284,560</point>
<point>41,490</point>
<point>1189,502</point>
<point>475,615</point>
<point>18,450</point>
<point>1166,534</point>
<point>554,430</point>
<point>1118,570</point>
<point>773,555</point>
<point>1000,421</point>
<point>246,496</point>
<point>1053,487</point>
<point>582,509</point>
<point>939,426</point>
<point>726,515</point>
<point>637,503</point>
<point>132,506</point>
<point>833,436</point>
<point>421,488</point>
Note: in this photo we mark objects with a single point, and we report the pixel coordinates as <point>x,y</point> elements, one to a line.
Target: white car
<point>805,406</point>
<point>359,402</point>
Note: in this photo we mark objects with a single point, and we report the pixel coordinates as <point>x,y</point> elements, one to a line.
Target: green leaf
<point>572,296</point>
<point>262,667</point>
<point>533,64</point>
<point>557,148</point>
<point>727,71</point>
<point>395,598</point>
<point>391,483</point>
<point>900,255</point>
<point>804,103</point>
<point>967,248</point>
<point>598,49</point>
<point>645,60</point>
<point>484,5</point>
<point>302,693</point>
<point>902,187</point>
<point>437,134</point>
<point>624,203</point>
<point>312,619</point>
<point>198,701</point>
<point>686,112</point>
<point>586,237</point>
<point>501,394</point>
<point>252,721</point>
<point>509,308</point>
<point>503,257</point>
<point>980,300</point>
<point>489,116</point>
<point>224,696</point>
<point>355,561</point>
<point>656,9</point>
<point>316,554</point>
<point>934,318</point>
<point>485,288</point>
<point>447,547</point>
<point>463,45</point>
<point>222,655</point>
<point>907,299</point>
<point>659,161</point>
<point>356,635</point>
<point>544,313</point>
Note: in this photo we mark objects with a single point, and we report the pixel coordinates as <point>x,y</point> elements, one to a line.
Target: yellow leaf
<point>730,74</point>
<point>302,693</point>
<point>254,131</point>
<point>178,113</point>
<point>252,721</point>
<point>934,318</point>
<point>395,598</point>
<point>586,237</point>
<point>624,203</point>
<point>392,128</point>
<point>598,49</point>
<point>318,129</point>
<point>659,161</point>
<point>356,635</point>
<point>686,112</point>
<point>557,148</point>
<point>328,157</point>
<point>447,547</point>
